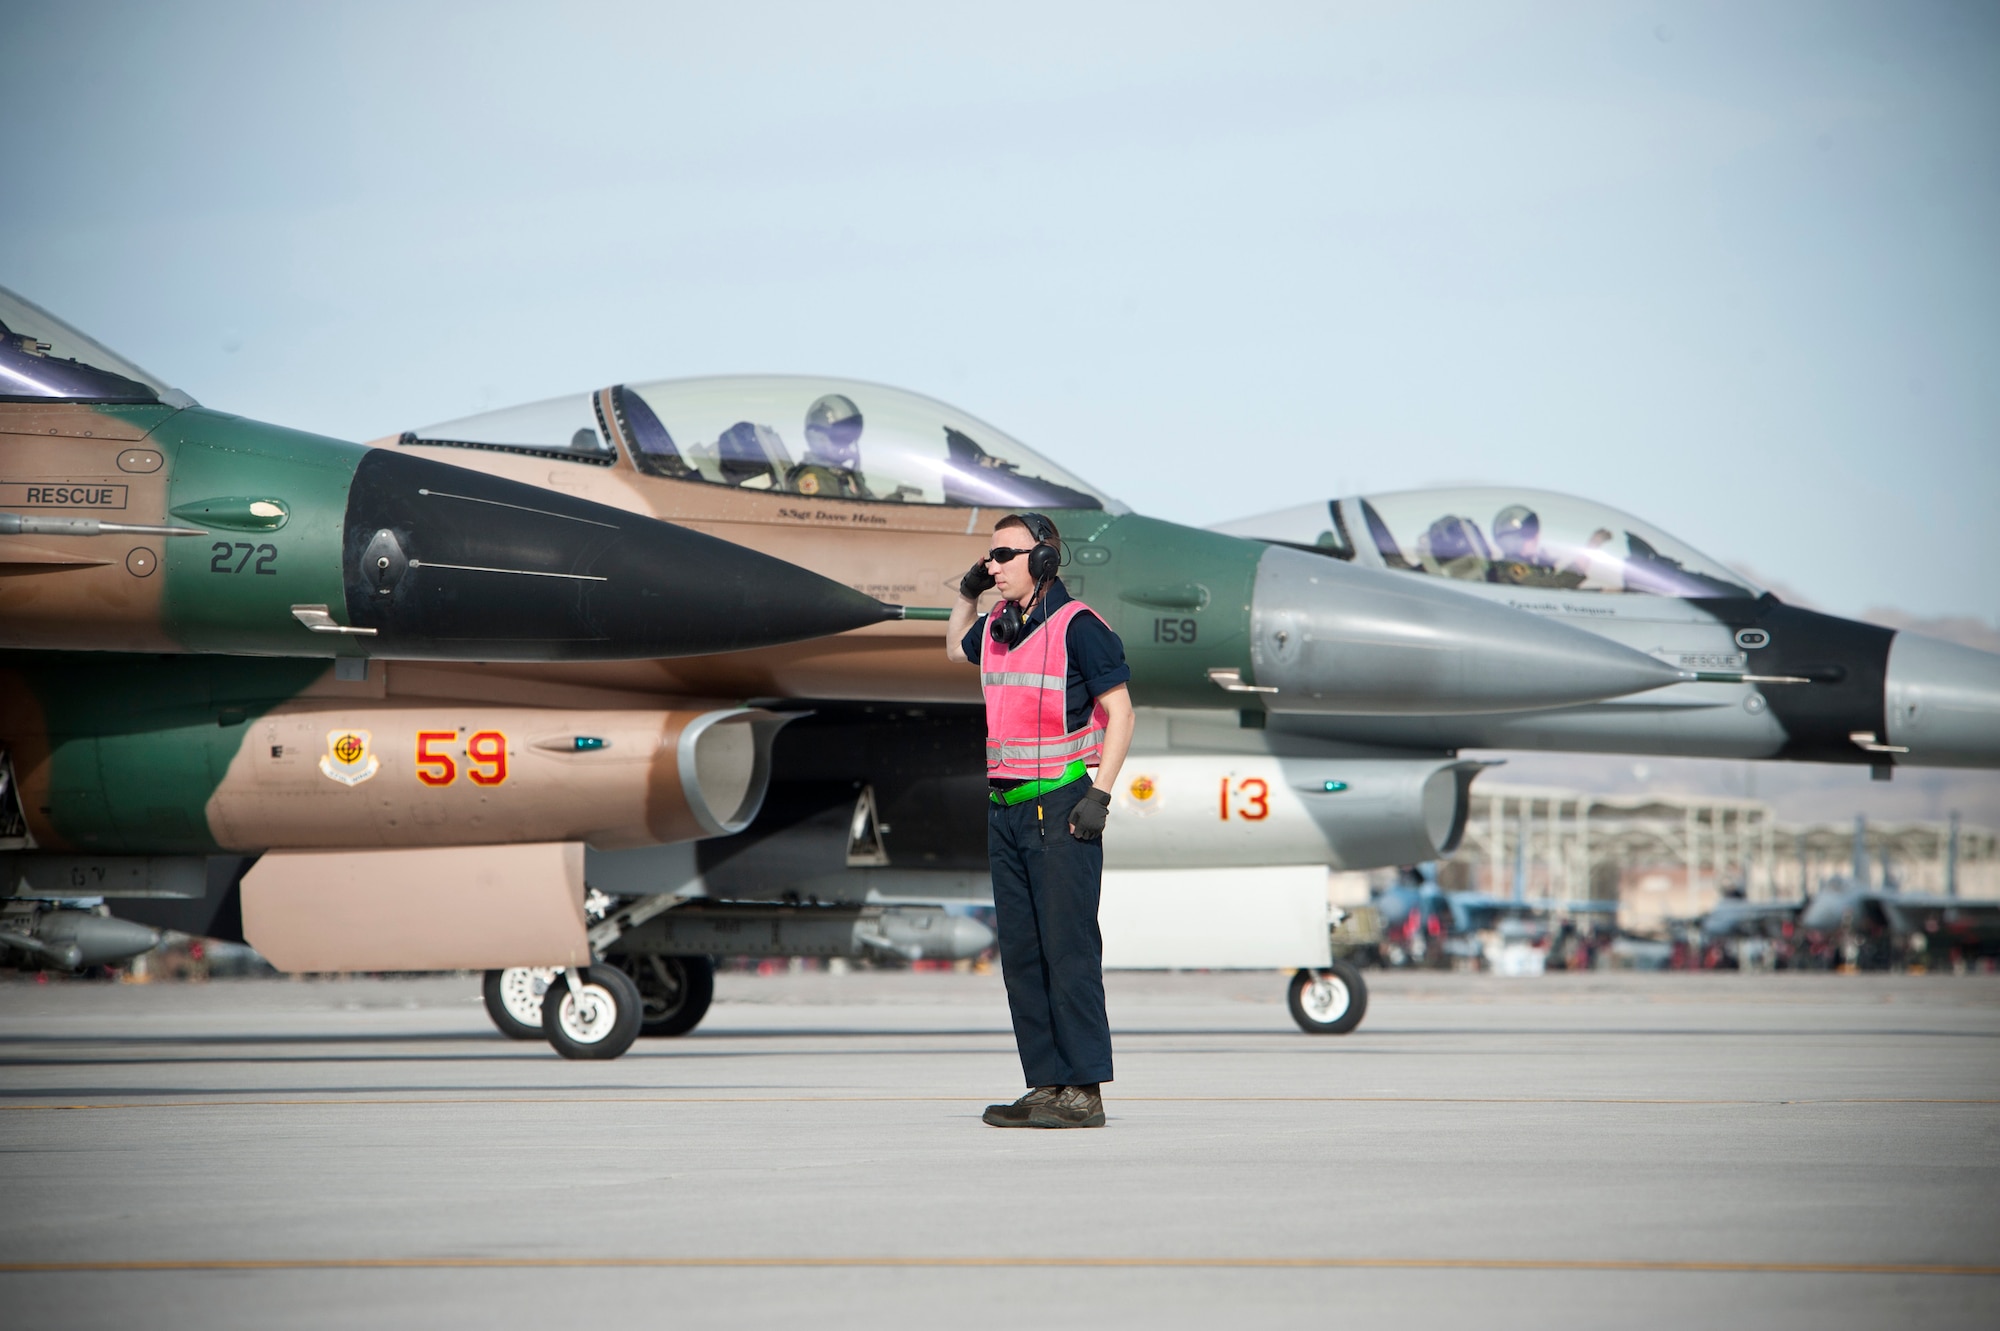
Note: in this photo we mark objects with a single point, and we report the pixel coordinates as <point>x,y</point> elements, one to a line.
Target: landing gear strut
<point>1328,1001</point>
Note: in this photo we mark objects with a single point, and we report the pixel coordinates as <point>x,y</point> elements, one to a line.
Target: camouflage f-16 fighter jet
<point>190,607</point>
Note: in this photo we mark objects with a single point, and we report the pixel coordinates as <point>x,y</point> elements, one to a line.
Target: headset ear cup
<point>1043,561</point>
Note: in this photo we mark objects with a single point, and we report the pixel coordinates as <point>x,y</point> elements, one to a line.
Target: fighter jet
<point>1856,920</point>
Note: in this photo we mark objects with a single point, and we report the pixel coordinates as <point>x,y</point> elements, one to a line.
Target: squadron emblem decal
<point>1144,792</point>
<point>347,759</point>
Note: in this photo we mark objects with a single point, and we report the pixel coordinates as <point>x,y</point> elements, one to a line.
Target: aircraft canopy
<point>823,439</point>
<point>1521,538</point>
<point>44,359</point>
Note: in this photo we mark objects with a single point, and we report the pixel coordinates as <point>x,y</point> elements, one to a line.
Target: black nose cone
<point>448,563</point>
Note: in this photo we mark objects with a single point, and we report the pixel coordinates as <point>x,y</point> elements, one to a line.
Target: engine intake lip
<point>722,780</point>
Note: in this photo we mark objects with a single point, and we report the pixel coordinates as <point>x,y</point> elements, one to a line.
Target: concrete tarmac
<point>1588,1151</point>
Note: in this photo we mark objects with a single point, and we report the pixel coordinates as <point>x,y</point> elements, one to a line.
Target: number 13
<point>1253,796</point>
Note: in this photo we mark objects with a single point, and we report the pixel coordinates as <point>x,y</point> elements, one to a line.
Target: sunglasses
<point>1000,554</point>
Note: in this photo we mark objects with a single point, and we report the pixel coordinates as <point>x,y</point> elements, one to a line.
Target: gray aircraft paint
<point>1333,638</point>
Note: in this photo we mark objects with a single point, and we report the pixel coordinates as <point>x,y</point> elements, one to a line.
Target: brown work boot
<point>1016,1114</point>
<point>1075,1107</point>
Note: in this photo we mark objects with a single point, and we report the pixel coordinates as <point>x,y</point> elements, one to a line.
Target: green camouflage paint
<point>1178,597</point>
<point>138,744</point>
<point>233,590</point>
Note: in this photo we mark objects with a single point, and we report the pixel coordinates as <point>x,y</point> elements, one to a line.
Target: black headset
<point>1008,621</point>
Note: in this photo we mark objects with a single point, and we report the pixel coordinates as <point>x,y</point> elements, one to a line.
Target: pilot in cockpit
<point>1525,562</point>
<point>752,456</point>
<point>1452,547</point>
<point>832,465</point>
<point>1517,530</point>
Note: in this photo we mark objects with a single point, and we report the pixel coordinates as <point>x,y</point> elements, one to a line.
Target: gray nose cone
<point>1336,639</point>
<point>1943,703</point>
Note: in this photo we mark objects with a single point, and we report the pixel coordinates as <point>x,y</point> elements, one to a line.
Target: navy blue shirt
<point>1096,656</point>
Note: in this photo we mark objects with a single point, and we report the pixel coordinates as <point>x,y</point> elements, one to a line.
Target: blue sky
<point>1735,268</point>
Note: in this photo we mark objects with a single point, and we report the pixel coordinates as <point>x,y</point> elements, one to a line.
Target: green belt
<point>1029,790</point>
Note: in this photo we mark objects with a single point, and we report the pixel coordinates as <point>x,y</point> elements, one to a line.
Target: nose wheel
<point>1328,1001</point>
<point>592,1013</point>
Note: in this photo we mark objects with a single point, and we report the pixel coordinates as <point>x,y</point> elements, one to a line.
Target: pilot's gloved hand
<point>975,581</point>
<point>1086,820</point>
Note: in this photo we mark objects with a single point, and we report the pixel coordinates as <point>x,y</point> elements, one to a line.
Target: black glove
<point>975,581</point>
<point>1086,820</point>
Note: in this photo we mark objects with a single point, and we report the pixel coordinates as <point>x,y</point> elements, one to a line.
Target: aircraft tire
<point>674,991</point>
<point>603,1025</point>
<point>1330,1001</point>
<point>511,994</point>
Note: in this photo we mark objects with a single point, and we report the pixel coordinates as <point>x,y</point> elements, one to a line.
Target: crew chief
<point>1054,678</point>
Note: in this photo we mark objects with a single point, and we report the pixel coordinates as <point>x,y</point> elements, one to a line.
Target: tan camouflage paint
<point>451,770</point>
<point>906,554</point>
<point>89,592</point>
<point>460,908</point>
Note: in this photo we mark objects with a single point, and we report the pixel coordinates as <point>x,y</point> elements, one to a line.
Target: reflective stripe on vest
<point>1027,709</point>
<point>1024,677</point>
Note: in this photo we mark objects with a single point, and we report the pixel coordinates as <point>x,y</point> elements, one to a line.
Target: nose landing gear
<point>1328,1001</point>
<point>593,1012</point>
<point>673,995</point>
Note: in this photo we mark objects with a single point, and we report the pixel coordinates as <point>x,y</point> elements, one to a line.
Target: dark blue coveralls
<point>1046,883</point>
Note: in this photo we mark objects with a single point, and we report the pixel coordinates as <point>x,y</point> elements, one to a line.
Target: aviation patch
<point>347,759</point>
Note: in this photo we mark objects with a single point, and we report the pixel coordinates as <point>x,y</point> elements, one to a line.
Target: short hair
<point>1027,523</point>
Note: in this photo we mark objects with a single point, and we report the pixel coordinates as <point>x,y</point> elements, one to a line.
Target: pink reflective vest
<point>1027,703</point>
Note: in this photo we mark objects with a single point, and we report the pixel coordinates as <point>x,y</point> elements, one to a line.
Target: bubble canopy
<point>44,359</point>
<point>821,438</point>
<point>1509,537</point>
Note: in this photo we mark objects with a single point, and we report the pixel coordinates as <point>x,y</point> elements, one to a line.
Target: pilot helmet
<point>1452,537</point>
<point>1516,528</point>
<point>833,432</point>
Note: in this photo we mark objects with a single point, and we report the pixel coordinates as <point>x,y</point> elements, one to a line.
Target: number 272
<point>223,550</point>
